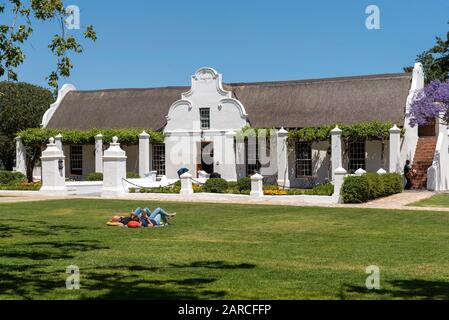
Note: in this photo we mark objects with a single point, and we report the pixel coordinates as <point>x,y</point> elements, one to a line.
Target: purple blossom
<point>429,103</point>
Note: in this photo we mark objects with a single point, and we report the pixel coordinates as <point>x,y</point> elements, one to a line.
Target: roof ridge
<point>325,80</point>
<point>132,89</point>
<point>382,76</point>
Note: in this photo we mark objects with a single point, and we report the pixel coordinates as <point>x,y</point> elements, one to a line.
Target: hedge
<point>244,184</point>
<point>98,176</point>
<point>217,185</point>
<point>370,186</point>
<point>8,177</point>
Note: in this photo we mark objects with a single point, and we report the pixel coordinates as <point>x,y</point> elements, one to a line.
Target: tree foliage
<point>22,106</point>
<point>435,61</point>
<point>14,33</point>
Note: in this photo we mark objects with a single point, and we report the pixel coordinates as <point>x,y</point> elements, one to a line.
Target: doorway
<point>428,130</point>
<point>207,157</point>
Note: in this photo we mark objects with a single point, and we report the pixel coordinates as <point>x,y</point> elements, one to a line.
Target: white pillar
<point>114,170</point>
<point>336,150</point>
<point>282,152</point>
<point>360,172</point>
<point>256,186</point>
<point>21,157</point>
<point>229,168</point>
<point>53,171</point>
<point>144,154</point>
<point>186,184</point>
<point>99,153</point>
<point>339,174</point>
<point>395,149</point>
<point>381,171</point>
<point>58,141</point>
<point>240,156</point>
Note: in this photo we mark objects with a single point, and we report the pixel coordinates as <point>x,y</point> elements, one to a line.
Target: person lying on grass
<point>145,218</point>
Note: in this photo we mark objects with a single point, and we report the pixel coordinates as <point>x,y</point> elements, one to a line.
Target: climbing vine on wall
<point>32,138</point>
<point>356,132</point>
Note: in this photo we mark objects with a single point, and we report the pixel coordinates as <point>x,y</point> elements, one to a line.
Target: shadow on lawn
<point>408,289</point>
<point>134,286</point>
<point>50,250</point>
<point>36,228</point>
<point>214,265</point>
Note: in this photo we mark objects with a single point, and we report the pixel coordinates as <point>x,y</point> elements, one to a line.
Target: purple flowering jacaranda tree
<point>430,103</point>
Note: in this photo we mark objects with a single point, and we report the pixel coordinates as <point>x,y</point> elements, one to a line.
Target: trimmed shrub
<point>359,189</point>
<point>393,183</point>
<point>244,184</point>
<point>355,189</point>
<point>95,176</point>
<point>217,185</point>
<point>132,175</point>
<point>8,177</point>
<point>376,186</point>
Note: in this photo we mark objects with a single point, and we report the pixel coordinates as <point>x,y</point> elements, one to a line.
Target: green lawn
<point>222,251</point>
<point>439,200</point>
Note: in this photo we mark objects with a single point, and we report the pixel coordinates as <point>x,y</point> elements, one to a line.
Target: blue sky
<point>161,43</point>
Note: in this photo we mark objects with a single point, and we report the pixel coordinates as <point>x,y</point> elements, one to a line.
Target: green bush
<point>244,184</point>
<point>216,185</point>
<point>321,190</point>
<point>359,189</point>
<point>393,183</point>
<point>375,186</point>
<point>8,177</point>
<point>132,175</point>
<point>95,176</point>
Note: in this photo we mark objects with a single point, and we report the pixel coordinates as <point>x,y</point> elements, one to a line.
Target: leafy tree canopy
<point>14,33</point>
<point>22,106</point>
<point>435,61</point>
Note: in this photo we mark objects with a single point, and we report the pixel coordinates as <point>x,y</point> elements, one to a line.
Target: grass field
<point>218,251</point>
<point>439,200</point>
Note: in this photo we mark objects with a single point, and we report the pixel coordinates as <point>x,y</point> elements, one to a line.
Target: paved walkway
<point>399,201</point>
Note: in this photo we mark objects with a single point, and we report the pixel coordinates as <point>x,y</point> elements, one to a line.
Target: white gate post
<point>340,174</point>
<point>53,171</point>
<point>256,186</point>
<point>114,170</point>
<point>186,184</point>
<point>144,154</point>
<point>99,153</point>
<point>336,150</point>
<point>395,149</point>
<point>21,157</point>
<point>282,151</point>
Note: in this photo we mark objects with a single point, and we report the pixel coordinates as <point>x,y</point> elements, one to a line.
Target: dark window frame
<point>205,118</point>
<point>304,167</point>
<point>356,156</point>
<point>76,160</point>
<point>158,162</point>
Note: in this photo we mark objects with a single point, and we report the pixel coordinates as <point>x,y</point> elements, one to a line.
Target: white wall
<point>132,162</point>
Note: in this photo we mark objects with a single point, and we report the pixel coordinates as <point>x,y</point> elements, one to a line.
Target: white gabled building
<point>203,123</point>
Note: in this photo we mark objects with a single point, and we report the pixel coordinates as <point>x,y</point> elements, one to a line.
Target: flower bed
<point>21,186</point>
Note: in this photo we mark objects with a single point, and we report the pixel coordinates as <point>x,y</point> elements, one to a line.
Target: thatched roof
<point>289,104</point>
